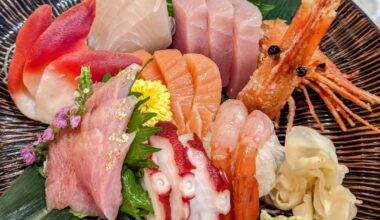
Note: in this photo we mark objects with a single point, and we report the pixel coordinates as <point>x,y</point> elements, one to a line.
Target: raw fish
<point>247,29</point>
<point>170,186</point>
<point>207,92</point>
<point>151,70</point>
<point>220,28</point>
<point>84,165</point>
<point>191,26</point>
<point>49,55</point>
<point>130,25</point>
<point>212,197</point>
<point>228,123</point>
<point>179,82</point>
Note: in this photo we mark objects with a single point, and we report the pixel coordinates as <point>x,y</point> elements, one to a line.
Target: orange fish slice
<point>179,82</point>
<point>151,71</point>
<point>207,92</point>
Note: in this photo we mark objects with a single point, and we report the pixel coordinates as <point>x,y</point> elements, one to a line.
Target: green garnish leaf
<point>84,90</point>
<point>25,199</point>
<point>272,9</point>
<point>136,94</point>
<point>138,156</point>
<point>264,7</point>
<point>136,202</point>
<point>139,151</point>
<point>78,214</point>
<point>138,119</point>
<point>106,77</point>
<point>41,171</point>
<point>170,7</point>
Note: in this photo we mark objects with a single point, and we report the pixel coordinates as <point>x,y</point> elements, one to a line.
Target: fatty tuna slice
<point>247,23</point>
<point>191,26</point>
<point>220,28</point>
<point>84,165</point>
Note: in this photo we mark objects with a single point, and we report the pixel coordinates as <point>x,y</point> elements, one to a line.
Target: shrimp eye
<point>321,67</point>
<point>273,50</point>
<point>301,71</point>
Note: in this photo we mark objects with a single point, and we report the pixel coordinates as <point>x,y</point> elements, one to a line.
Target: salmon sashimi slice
<point>151,70</point>
<point>179,82</point>
<point>84,165</point>
<point>221,31</point>
<point>207,92</point>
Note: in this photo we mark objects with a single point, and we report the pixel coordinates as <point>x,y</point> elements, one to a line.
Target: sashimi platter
<point>189,109</point>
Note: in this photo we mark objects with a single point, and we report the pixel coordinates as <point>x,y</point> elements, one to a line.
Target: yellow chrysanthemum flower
<point>159,101</point>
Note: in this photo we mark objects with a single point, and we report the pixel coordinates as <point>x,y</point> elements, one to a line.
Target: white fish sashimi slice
<point>131,25</point>
<point>220,27</point>
<point>101,28</point>
<point>247,29</point>
<point>191,26</point>
<point>142,35</point>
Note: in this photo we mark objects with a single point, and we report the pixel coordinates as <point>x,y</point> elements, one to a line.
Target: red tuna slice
<point>212,196</point>
<point>67,33</point>
<point>191,26</point>
<point>84,166</point>
<point>220,30</point>
<point>171,186</point>
<point>247,27</point>
<point>27,36</point>
<point>62,73</point>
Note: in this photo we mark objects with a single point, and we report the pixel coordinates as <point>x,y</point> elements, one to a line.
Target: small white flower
<point>86,90</point>
<point>76,94</point>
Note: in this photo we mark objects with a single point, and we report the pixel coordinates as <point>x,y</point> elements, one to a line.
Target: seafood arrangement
<point>137,129</point>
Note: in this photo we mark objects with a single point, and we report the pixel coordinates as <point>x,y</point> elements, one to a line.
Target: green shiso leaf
<point>139,151</point>
<point>136,202</point>
<point>282,9</point>
<point>106,77</point>
<point>25,199</point>
<point>264,7</point>
<point>170,7</point>
<point>80,215</point>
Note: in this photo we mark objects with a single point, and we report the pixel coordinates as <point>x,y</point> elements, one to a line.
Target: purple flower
<point>39,139</point>
<point>28,155</point>
<point>75,120</point>
<point>60,122</point>
<point>60,118</point>
<point>62,113</point>
<point>48,134</point>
